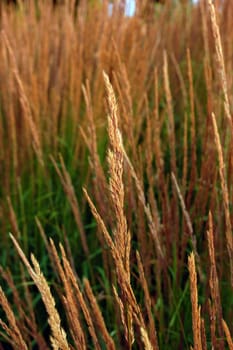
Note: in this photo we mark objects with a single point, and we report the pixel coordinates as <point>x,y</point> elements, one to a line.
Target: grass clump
<point>116,172</point>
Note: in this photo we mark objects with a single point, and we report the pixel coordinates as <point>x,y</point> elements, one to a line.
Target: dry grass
<point>196,310</point>
<point>58,337</point>
<point>125,109</point>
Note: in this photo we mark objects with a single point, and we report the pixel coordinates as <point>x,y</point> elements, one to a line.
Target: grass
<point>116,174</point>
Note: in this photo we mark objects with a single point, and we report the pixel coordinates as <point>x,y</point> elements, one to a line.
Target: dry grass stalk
<point>7,276</point>
<point>65,179</point>
<point>196,319</point>
<point>27,325</point>
<point>145,340</point>
<point>102,226</point>
<point>97,316</point>
<point>48,247</point>
<point>225,195</point>
<point>129,336</point>
<point>12,128</point>
<point>13,331</point>
<point>58,337</point>
<point>141,196</point>
<point>185,158</point>
<point>203,9</point>
<point>127,125</point>
<point>13,219</point>
<point>24,101</point>
<point>29,319</point>
<point>220,62</point>
<point>159,153</point>
<point>116,186</point>
<point>214,285</point>
<point>70,301</point>
<point>99,179</point>
<point>91,124</point>
<point>157,143</point>
<point>74,284</point>
<point>172,145</point>
<point>143,241</point>
<point>212,324</point>
<point>171,125</point>
<point>193,126</point>
<point>185,212</point>
<point>203,335</point>
<point>149,167</point>
<point>189,225</point>
<point>181,80</point>
<point>228,335</point>
<point>121,79</point>
<point>122,275</point>
<point>152,331</point>
<point>207,66</point>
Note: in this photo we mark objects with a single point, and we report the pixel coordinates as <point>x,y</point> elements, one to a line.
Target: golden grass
<point>58,337</point>
<point>150,85</point>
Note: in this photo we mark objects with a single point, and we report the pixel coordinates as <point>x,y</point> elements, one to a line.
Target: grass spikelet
<point>148,304</point>
<point>225,195</point>
<point>189,224</point>
<point>115,162</point>
<point>171,125</point>
<point>185,158</point>
<point>203,335</point>
<point>58,337</point>
<point>102,226</point>
<point>97,316</point>
<point>220,61</point>
<point>13,332</point>
<point>122,275</point>
<point>145,340</point>
<point>26,315</point>
<point>203,5</point>
<point>196,319</point>
<point>81,301</point>
<point>214,284</point>
<point>157,141</point>
<point>193,124</point>
<point>116,188</point>
<point>24,102</point>
<point>228,335</point>
<point>121,308</point>
<point>13,218</point>
<point>70,301</point>
<point>141,196</point>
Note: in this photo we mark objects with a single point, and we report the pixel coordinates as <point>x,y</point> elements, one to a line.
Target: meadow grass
<point>116,166</point>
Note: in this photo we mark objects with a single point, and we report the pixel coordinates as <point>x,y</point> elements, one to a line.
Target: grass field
<point>116,172</point>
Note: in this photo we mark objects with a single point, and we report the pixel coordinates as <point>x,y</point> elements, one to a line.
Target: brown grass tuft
<point>58,337</point>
